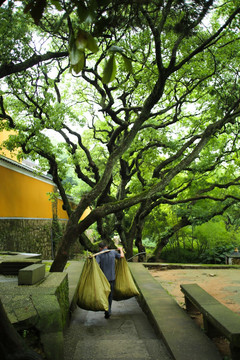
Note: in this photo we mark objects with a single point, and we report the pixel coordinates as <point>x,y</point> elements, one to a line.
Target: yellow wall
<point>4,136</point>
<point>24,196</point>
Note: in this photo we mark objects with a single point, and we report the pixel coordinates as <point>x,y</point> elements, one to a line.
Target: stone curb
<point>181,335</point>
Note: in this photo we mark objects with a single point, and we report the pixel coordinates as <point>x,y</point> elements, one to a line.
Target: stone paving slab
<point>126,335</point>
<point>109,349</point>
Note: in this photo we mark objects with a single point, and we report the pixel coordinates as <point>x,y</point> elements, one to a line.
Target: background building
<point>32,218</point>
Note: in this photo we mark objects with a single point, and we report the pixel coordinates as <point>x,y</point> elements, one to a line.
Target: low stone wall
<point>32,236</point>
<point>43,307</point>
<point>183,338</point>
<point>236,261</point>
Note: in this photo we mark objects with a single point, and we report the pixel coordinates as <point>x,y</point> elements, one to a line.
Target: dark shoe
<point>107,315</point>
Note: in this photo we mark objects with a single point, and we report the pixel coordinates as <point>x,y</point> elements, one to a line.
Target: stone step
<point>114,349</point>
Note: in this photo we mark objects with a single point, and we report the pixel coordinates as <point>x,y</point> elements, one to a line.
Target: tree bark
<point>8,69</point>
<point>12,346</point>
<point>165,239</point>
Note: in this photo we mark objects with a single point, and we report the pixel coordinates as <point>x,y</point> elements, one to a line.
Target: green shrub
<point>148,243</point>
<point>179,255</point>
<point>216,255</point>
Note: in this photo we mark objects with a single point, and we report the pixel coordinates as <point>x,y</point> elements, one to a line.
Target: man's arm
<point>121,252</point>
<point>98,259</point>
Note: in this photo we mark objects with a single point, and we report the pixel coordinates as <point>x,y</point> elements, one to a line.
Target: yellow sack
<point>125,287</point>
<point>94,287</point>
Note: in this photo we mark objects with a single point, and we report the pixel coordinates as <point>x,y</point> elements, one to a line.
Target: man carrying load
<point>106,261</point>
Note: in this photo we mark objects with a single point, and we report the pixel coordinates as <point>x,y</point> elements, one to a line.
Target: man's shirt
<point>106,261</point>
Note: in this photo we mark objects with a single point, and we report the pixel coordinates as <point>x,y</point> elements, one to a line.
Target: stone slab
<point>41,305</point>
<point>111,349</point>
<point>222,318</point>
<point>31,274</point>
<point>126,335</point>
<point>51,280</point>
<point>48,309</point>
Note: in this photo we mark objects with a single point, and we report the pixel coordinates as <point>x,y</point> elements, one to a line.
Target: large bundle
<point>125,287</point>
<point>94,287</point>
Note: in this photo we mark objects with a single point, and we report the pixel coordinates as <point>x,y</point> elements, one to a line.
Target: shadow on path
<point>126,335</point>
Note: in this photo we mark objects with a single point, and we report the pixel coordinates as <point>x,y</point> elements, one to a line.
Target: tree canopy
<point>144,97</point>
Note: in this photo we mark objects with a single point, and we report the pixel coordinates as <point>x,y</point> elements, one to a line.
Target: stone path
<point>126,335</point>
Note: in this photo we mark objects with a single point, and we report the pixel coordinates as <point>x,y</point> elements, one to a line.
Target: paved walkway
<point>126,335</point>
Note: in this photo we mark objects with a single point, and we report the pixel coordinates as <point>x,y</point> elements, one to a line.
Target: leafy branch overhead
<point>155,156</point>
<point>81,40</point>
<point>110,68</point>
<point>154,152</point>
<point>84,9</point>
<point>77,47</point>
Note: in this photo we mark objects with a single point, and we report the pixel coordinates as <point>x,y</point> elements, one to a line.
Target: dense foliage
<point>144,100</point>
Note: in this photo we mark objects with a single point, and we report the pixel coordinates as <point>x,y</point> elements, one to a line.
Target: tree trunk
<point>165,239</point>
<point>141,247</point>
<point>12,346</point>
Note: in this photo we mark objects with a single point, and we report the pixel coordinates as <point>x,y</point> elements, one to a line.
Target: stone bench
<point>31,274</point>
<point>217,318</point>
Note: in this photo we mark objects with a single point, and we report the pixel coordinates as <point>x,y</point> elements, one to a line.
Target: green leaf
<point>75,55</point>
<point>109,71</point>
<point>82,12</point>
<point>81,40</point>
<point>92,44</point>
<point>80,65</point>
<point>128,64</point>
<point>36,9</point>
<point>57,4</point>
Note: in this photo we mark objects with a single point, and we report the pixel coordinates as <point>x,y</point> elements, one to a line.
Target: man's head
<point>102,245</point>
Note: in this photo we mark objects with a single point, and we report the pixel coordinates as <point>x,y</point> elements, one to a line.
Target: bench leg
<point>235,352</point>
<point>189,306</point>
<point>209,329</point>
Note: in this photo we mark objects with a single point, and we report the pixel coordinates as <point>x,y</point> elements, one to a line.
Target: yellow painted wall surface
<point>24,196</point>
<point>4,136</point>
